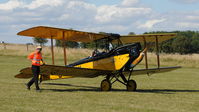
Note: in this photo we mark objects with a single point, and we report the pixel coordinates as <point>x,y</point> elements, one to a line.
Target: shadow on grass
<point>79,88</point>
<point>165,91</point>
<point>97,89</point>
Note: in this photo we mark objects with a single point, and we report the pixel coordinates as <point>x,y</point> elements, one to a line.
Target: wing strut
<point>52,51</point>
<point>64,48</point>
<point>145,53</point>
<point>157,52</point>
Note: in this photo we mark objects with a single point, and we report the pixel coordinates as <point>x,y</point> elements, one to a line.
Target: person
<point>36,58</point>
<point>95,53</point>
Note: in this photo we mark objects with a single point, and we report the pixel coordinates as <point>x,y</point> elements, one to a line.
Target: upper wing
<point>61,34</point>
<point>153,70</point>
<point>146,38</point>
<point>80,36</point>
<point>58,72</point>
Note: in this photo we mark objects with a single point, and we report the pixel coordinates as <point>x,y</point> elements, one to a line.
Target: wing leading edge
<point>81,36</point>
<point>61,72</point>
<point>61,34</point>
<point>146,38</point>
<point>153,70</point>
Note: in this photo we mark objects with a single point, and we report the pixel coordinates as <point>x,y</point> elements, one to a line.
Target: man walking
<point>36,58</point>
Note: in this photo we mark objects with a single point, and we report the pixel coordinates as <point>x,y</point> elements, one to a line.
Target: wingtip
<point>19,33</point>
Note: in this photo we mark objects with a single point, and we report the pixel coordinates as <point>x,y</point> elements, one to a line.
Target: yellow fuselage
<point>111,63</point>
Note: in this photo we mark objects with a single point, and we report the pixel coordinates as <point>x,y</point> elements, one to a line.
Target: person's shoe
<point>38,90</point>
<point>28,87</point>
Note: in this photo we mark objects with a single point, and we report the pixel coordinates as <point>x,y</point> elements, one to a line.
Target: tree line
<point>186,42</point>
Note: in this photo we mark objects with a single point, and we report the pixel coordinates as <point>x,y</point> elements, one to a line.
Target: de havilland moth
<point>116,63</point>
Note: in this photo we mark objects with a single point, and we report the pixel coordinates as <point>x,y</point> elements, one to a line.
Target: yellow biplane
<point>116,63</point>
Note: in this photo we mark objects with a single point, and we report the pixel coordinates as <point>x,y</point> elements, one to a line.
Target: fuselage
<point>116,59</point>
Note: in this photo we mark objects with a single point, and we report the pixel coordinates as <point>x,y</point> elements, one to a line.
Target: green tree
<point>182,45</point>
<point>40,41</point>
<point>166,46</point>
<point>131,33</point>
<point>68,44</point>
<point>185,42</point>
<point>87,45</point>
<point>93,44</point>
<point>195,42</point>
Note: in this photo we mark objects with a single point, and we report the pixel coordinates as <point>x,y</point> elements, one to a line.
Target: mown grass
<point>176,91</point>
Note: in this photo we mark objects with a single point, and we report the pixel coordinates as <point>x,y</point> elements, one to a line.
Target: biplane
<point>116,63</point>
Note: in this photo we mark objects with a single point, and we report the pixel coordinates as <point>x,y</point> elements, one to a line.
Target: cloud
<point>63,17</point>
<point>187,1</point>
<point>13,4</point>
<point>121,13</point>
<point>129,2</point>
<point>6,19</point>
<point>150,23</point>
<point>80,4</point>
<point>106,28</point>
<point>124,17</point>
<point>10,5</point>
<point>76,13</point>
<point>187,25</point>
<point>193,18</point>
<point>115,13</point>
<point>39,3</point>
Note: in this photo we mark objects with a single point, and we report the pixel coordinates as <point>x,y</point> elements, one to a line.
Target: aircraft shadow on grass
<point>97,89</point>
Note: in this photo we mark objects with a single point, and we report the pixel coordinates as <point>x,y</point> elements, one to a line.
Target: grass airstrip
<point>176,91</point>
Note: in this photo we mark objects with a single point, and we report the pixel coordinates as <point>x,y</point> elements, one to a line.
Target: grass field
<point>176,91</point>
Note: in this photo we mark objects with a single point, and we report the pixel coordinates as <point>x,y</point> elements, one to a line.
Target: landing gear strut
<point>106,84</point>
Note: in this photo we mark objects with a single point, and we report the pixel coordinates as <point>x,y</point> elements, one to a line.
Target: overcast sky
<point>114,16</point>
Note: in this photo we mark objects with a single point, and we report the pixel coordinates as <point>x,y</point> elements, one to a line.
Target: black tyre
<point>105,85</point>
<point>131,85</point>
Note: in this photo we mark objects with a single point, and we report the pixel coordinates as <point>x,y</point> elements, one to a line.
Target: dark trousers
<point>36,72</point>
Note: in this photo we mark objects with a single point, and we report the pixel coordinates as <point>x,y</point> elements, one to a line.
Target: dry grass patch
<point>21,50</point>
<point>175,60</point>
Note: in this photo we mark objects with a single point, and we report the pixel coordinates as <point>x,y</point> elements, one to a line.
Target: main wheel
<point>131,85</point>
<point>105,85</point>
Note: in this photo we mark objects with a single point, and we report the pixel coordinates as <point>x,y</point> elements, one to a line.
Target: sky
<point>113,16</point>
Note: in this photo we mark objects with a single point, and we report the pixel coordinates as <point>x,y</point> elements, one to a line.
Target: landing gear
<point>118,77</point>
<point>131,85</point>
<point>105,85</point>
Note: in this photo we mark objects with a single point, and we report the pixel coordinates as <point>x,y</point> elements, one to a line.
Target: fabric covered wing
<point>72,71</point>
<point>152,70</point>
<point>146,37</point>
<point>61,34</point>
<point>60,72</point>
<point>25,73</point>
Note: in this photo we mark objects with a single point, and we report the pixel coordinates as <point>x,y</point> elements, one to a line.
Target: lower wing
<point>153,70</point>
<point>50,72</point>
